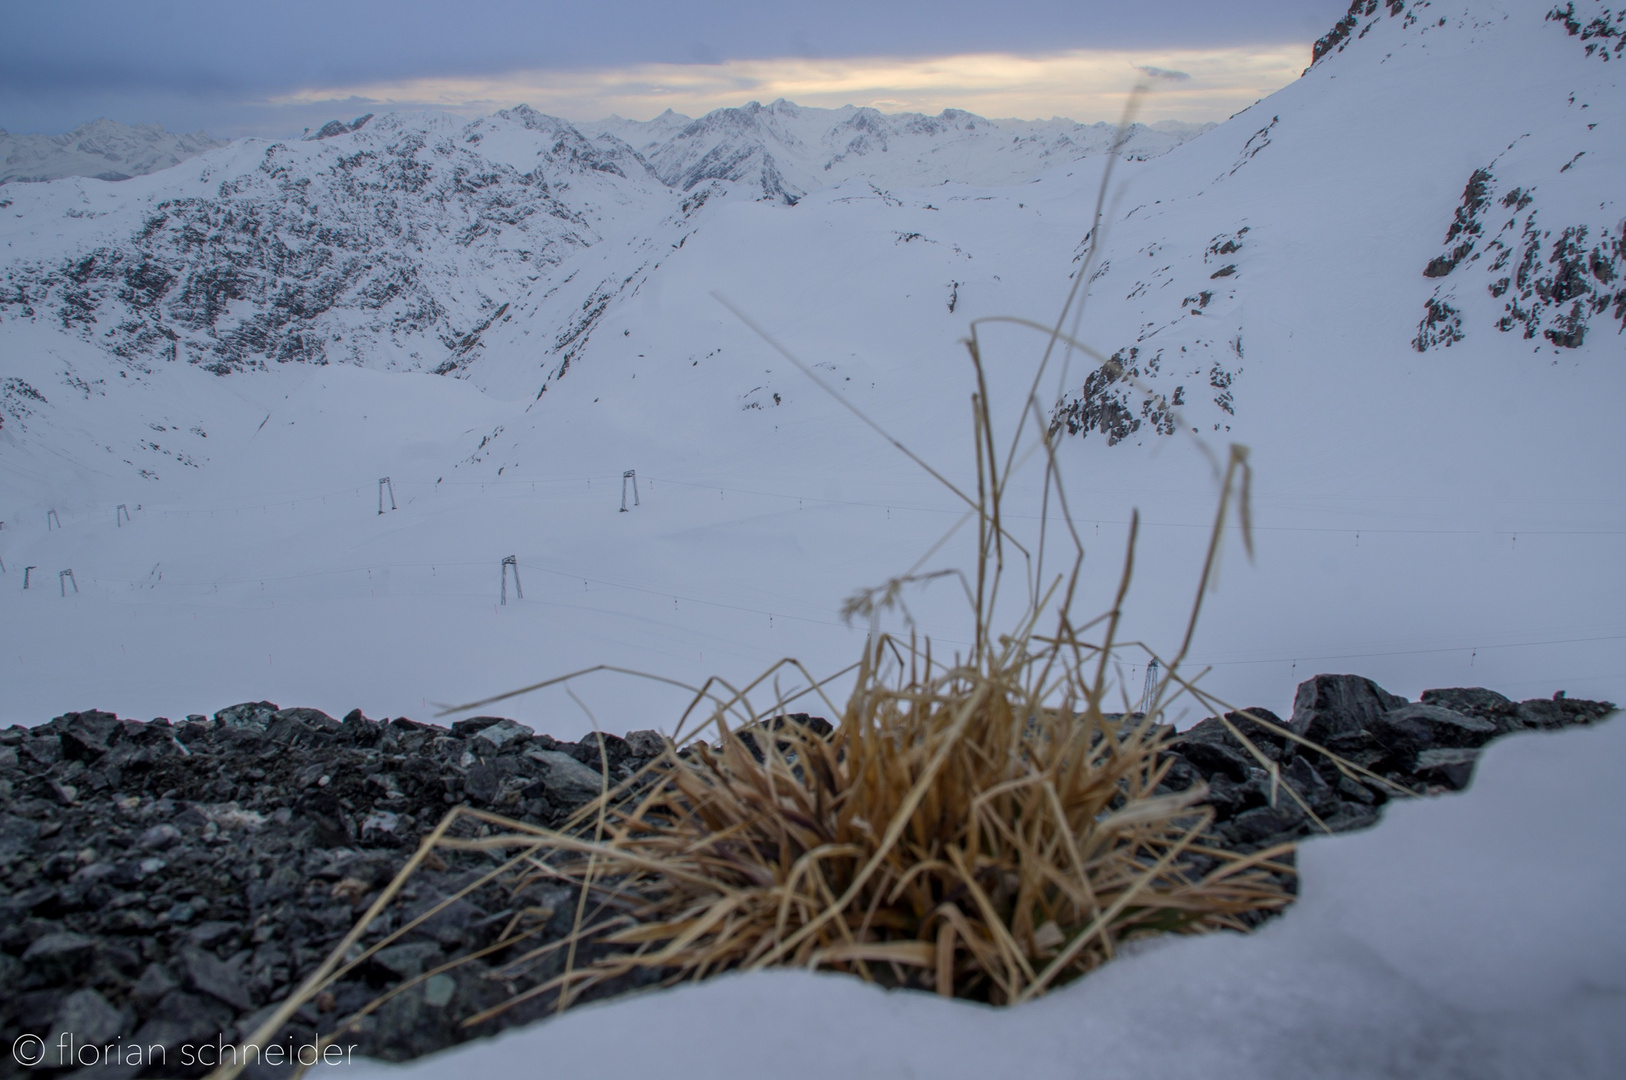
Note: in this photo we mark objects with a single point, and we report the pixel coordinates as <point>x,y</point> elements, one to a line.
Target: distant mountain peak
<point>787,150</point>
<point>101,149</point>
<point>338,127</point>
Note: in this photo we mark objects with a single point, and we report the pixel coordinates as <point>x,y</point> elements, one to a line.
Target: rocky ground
<point>166,884</point>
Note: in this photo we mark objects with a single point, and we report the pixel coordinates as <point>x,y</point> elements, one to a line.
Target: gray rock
<point>1448,755</point>
<point>315,719</point>
<point>438,990</point>
<point>35,898</point>
<point>1229,798</point>
<point>1476,701</point>
<point>209,935</point>
<point>179,914</point>
<point>1335,710</point>
<point>450,925</point>
<point>493,738</point>
<point>1451,766</point>
<point>1181,773</point>
<point>208,974</point>
<point>469,726</point>
<point>182,1018</point>
<point>249,1024</point>
<point>1321,796</point>
<point>382,827</point>
<point>17,837</point>
<point>568,781</point>
<point>43,750</point>
<point>89,1018</point>
<point>155,982</point>
<point>1265,822</point>
<point>1213,730</point>
<point>1214,755</point>
<point>159,837</point>
<point>191,820</point>
<point>1352,817</point>
<point>1405,732</point>
<point>1354,790</point>
<point>1559,711</point>
<point>1446,727</point>
<point>646,744</point>
<point>86,736</point>
<point>59,955</point>
<point>483,782</point>
<point>250,714</point>
<point>245,739</point>
<point>409,960</point>
<point>287,725</point>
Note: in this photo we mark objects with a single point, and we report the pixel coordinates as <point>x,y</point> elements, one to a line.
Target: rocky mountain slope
<point>1549,256</point>
<point>1532,250</point>
<point>393,244</point>
<point>103,149</point>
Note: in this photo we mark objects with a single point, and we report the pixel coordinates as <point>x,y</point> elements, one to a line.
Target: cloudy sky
<point>273,67</point>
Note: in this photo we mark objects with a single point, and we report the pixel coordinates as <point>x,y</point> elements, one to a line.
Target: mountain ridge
<point>101,149</point>
<point>359,241</point>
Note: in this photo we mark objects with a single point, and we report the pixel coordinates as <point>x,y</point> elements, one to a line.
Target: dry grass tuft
<point>956,832</point>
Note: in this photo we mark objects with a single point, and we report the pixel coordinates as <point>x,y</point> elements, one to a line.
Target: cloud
<point>1164,73</point>
<point>224,67</point>
<point>1084,84</point>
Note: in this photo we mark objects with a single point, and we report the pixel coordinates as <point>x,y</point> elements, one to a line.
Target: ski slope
<point>1427,518</point>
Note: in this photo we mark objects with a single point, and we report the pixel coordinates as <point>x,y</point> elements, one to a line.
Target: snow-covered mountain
<point>787,150</point>
<point>394,245</point>
<point>396,241</point>
<point>104,149</point>
<point>238,349</point>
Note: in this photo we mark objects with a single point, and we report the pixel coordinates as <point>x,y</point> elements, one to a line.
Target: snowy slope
<point>104,149</point>
<point>1428,517</point>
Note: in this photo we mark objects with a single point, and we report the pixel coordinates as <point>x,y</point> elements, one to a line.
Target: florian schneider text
<point>66,1051</point>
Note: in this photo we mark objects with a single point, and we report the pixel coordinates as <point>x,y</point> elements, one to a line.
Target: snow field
<point>1425,519</point>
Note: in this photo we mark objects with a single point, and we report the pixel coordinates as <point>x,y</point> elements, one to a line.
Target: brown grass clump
<point>980,828</point>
